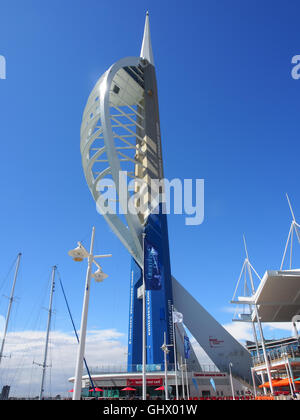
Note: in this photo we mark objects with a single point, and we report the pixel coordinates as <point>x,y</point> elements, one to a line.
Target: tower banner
<point>187,347</point>
<point>152,266</point>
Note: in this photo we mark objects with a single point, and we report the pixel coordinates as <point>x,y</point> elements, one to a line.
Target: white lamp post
<point>231,380</point>
<point>78,254</point>
<point>165,349</point>
<point>182,378</point>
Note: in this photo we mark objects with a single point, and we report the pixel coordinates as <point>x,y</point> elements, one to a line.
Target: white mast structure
<point>78,254</point>
<point>248,269</point>
<point>120,133</point>
<point>113,140</point>
<point>44,364</point>
<point>11,299</point>
<point>294,228</point>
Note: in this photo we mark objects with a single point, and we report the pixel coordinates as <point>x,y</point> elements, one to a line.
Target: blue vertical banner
<point>159,296</point>
<point>187,347</point>
<point>152,267</point>
<point>212,382</point>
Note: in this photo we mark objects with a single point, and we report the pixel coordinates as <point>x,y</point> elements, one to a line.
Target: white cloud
<point>240,331</point>
<point>281,326</point>
<point>232,309</point>
<point>243,331</point>
<point>103,347</point>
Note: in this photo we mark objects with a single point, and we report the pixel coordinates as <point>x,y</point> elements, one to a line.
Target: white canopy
<point>277,297</point>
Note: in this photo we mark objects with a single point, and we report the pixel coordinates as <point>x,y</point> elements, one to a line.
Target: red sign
<point>210,375</point>
<point>214,342</point>
<point>150,382</point>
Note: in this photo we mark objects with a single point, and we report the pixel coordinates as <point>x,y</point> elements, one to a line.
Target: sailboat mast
<point>11,298</point>
<point>44,365</point>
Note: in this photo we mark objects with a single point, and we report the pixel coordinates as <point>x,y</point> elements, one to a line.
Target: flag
<point>177,317</point>
<point>187,347</point>
<point>195,384</point>
<point>212,382</point>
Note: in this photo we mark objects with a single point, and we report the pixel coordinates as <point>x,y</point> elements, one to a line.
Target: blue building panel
<point>135,318</point>
<point>159,298</point>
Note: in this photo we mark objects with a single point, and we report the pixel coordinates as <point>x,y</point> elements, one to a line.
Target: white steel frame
<point>247,269</point>
<point>110,136</point>
<point>293,228</point>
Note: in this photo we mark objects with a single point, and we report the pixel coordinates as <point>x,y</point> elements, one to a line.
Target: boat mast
<point>11,299</point>
<point>44,365</point>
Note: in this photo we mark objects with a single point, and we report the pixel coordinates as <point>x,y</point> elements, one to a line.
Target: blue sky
<point>229,112</point>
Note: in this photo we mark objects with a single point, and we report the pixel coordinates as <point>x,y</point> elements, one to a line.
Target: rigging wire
<point>75,331</point>
<point>36,322</point>
<point>8,273</point>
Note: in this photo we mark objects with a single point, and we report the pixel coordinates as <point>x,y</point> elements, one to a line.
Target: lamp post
<point>175,354</point>
<point>187,381</point>
<point>182,378</point>
<point>231,380</point>
<point>165,349</point>
<point>78,254</point>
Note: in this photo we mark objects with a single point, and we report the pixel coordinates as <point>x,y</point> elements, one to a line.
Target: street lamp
<point>99,276</point>
<point>231,380</point>
<point>79,254</point>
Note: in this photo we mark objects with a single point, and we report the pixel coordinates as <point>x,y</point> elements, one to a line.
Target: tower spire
<point>146,51</point>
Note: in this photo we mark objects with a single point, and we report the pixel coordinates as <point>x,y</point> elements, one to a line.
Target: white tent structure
<point>277,297</point>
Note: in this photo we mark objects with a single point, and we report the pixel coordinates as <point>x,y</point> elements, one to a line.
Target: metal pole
<point>175,355</point>
<point>10,305</point>
<point>291,374</point>
<point>77,338</point>
<point>44,365</point>
<point>165,350</point>
<point>259,325</point>
<point>231,381</point>
<point>144,355</point>
<point>81,348</point>
<point>182,378</point>
<point>253,380</point>
<point>255,337</point>
<point>264,349</point>
<point>288,375</point>
<point>253,324</point>
<point>286,246</point>
<point>291,248</point>
<point>187,382</point>
<point>293,216</point>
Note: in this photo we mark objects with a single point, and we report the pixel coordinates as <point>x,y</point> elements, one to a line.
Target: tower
<point>121,141</point>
